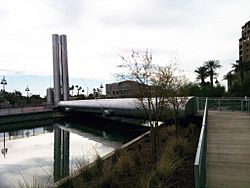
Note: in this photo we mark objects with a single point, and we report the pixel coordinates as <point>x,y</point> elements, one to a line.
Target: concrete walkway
<point>228,152</point>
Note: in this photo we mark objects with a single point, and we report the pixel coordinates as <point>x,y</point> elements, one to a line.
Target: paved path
<point>228,152</point>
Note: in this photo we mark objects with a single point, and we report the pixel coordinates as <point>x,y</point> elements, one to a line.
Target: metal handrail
<point>225,103</point>
<point>200,163</point>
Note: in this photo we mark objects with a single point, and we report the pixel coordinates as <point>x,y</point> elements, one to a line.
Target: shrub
<point>171,130</point>
<point>146,179</point>
<point>124,164</point>
<point>107,177</point>
<point>177,145</point>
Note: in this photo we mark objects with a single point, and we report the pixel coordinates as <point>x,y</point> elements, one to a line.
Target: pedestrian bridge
<point>223,153</point>
<point>126,107</point>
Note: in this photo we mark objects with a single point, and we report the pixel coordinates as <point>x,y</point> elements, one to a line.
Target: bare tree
<point>177,98</point>
<point>158,87</point>
<point>172,91</point>
<point>140,68</point>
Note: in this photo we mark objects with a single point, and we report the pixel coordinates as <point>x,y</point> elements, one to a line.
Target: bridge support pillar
<point>56,68</point>
<point>60,68</point>
<point>64,61</point>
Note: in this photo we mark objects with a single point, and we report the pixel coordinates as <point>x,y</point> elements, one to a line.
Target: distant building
<point>244,43</point>
<point>124,89</point>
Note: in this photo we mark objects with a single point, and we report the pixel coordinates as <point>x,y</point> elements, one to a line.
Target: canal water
<point>44,154</point>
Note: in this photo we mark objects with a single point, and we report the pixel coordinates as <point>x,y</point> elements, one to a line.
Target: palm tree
<point>202,74</point>
<point>241,67</point>
<point>72,89</point>
<point>78,90</point>
<point>212,65</point>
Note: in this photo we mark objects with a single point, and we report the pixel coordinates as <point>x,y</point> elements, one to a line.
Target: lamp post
<point>101,87</point>
<point>27,90</point>
<point>3,82</point>
<point>4,150</point>
<point>216,81</point>
<point>94,92</point>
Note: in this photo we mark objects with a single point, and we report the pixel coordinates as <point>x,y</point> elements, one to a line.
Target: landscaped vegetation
<point>211,88</point>
<point>135,165</point>
<point>238,80</point>
<point>16,99</point>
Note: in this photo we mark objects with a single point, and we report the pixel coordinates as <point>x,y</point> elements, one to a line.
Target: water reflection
<point>61,153</point>
<point>50,151</point>
<point>4,150</point>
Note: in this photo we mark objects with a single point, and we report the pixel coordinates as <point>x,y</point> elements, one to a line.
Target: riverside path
<point>228,150</point>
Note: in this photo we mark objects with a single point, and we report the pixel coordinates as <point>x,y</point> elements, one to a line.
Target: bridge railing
<point>200,163</point>
<point>23,110</point>
<point>224,103</point>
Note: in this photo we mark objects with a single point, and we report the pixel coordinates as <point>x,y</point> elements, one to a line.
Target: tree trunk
<point>211,80</point>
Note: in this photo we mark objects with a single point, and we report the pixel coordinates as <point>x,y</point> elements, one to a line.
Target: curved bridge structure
<point>124,107</point>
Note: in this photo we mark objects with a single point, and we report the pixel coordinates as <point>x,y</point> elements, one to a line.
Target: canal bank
<point>133,164</point>
<point>54,146</point>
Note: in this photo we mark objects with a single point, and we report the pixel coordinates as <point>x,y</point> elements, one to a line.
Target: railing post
<point>241,104</point>
<point>248,105</point>
<point>197,104</point>
<point>196,176</point>
<point>219,105</point>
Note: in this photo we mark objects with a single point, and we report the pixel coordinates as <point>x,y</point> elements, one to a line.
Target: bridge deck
<point>228,152</point>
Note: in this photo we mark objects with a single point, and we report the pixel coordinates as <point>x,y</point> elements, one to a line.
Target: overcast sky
<point>98,31</point>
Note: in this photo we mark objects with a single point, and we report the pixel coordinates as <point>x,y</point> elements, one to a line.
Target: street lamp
<point>94,91</point>
<point>216,81</point>
<point>101,87</point>
<point>4,82</point>
<point>27,90</point>
<point>4,150</point>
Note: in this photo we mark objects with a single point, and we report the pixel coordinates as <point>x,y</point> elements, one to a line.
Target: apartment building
<point>124,89</point>
<point>244,43</point>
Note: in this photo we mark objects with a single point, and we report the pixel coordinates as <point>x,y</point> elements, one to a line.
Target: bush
<point>107,176</point>
<point>124,164</point>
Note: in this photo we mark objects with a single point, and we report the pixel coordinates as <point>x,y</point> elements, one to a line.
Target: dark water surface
<point>45,154</point>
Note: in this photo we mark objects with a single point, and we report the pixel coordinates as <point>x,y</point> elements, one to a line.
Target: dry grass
<point>161,175</point>
<point>124,164</point>
<point>32,183</point>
